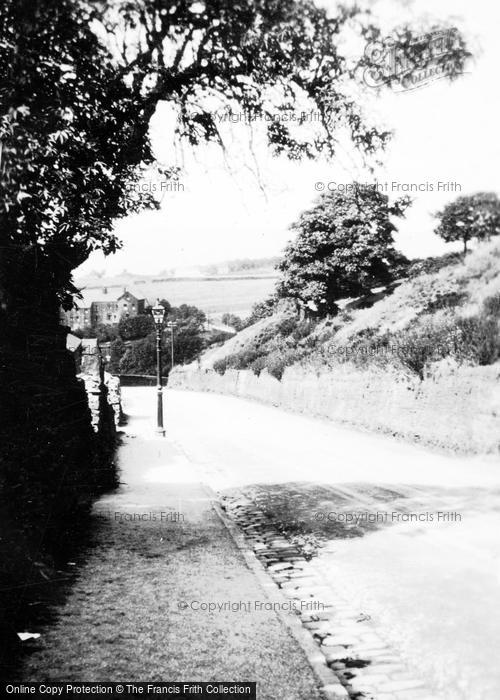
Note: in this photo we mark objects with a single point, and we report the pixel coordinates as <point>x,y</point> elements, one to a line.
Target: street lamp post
<point>158,312</point>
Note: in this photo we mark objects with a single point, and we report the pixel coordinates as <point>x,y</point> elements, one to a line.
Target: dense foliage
<point>81,81</point>
<point>472,340</point>
<point>262,309</point>
<point>103,332</point>
<point>447,312</point>
<point>473,216</point>
<point>233,321</point>
<point>135,327</point>
<point>344,247</point>
<point>134,350</point>
<point>73,140</point>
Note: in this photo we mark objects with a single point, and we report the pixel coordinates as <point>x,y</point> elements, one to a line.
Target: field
<point>214,295</point>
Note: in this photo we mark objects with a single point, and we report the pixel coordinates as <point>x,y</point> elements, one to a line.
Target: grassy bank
<point>447,309</point>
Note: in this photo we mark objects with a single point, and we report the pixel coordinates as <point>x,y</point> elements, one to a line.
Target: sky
<point>242,205</point>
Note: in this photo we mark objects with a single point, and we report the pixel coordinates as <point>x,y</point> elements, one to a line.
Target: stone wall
<point>455,408</point>
<point>103,389</point>
<point>113,396</point>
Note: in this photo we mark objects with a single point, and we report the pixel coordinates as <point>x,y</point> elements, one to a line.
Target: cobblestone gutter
<point>365,664</point>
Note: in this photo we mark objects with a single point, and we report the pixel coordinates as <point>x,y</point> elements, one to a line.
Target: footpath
<point>159,555</point>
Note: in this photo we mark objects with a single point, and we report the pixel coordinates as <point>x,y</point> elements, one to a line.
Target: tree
<point>106,333</point>
<point>139,355</point>
<point>117,350</point>
<point>188,343</point>
<point>472,216</point>
<point>187,313</point>
<point>85,332</point>
<point>135,327</point>
<point>343,248</point>
<point>233,321</point>
<point>82,79</point>
<point>166,305</point>
<point>262,309</point>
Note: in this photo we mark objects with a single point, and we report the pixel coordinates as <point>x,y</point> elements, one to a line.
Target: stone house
<point>104,310</point>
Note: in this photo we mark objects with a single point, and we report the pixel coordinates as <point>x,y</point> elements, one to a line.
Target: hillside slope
<point>451,314</point>
<point>423,362</point>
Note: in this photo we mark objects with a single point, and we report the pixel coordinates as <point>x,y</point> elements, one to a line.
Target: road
<point>431,586</point>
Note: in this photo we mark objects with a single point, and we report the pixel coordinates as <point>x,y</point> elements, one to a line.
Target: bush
<point>135,327</point>
<point>303,329</point>
<point>220,366</point>
<point>187,312</point>
<point>262,309</point>
<point>447,300</point>
<point>277,362</point>
<point>310,342</point>
<point>103,332</point>
<point>232,321</point>
<point>106,333</point>
<point>244,358</point>
<point>140,357</point>
<point>287,326</point>
<point>275,365</point>
<point>474,340</point>
<point>478,340</point>
<point>416,348</point>
<point>216,338</point>
<point>258,365</point>
<point>491,306</point>
<point>426,266</point>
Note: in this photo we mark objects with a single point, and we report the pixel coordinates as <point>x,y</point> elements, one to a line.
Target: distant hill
<point>232,286</point>
<point>214,295</point>
<point>265,267</point>
<point>242,266</point>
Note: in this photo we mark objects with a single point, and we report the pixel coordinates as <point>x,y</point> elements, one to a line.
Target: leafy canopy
<point>135,327</point>
<point>233,321</point>
<point>81,80</point>
<point>343,247</point>
<point>138,356</point>
<point>472,216</point>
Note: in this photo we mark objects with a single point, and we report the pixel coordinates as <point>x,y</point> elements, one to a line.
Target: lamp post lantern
<point>158,312</point>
